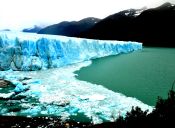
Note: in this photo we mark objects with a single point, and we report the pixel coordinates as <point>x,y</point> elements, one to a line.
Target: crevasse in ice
<point>21,51</point>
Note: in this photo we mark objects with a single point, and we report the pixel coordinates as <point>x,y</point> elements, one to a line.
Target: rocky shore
<point>38,122</point>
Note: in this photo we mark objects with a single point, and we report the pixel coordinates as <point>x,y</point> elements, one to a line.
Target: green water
<point>144,74</point>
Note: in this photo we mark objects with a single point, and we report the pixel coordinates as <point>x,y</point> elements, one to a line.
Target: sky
<point>19,14</point>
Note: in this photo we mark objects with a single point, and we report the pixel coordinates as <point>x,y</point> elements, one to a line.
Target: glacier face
<point>28,52</point>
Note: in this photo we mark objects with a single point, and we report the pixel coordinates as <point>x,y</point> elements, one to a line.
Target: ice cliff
<point>24,51</point>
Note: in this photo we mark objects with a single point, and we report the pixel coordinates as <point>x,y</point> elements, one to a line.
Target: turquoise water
<point>144,74</point>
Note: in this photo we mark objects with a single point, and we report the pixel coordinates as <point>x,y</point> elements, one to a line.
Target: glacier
<point>30,52</point>
<point>56,91</point>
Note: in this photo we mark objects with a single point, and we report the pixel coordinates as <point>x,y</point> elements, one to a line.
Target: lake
<point>145,74</point>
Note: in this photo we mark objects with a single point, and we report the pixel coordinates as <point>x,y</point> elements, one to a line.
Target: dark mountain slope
<point>113,27</point>
<point>35,29</point>
<point>70,28</point>
<point>153,27</point>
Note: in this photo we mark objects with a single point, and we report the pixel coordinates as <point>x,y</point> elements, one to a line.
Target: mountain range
<point>72,29</point>
<point>152,27</point>
<point>34,29</point>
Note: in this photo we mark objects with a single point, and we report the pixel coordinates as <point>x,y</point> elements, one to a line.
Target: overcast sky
<point>18,14</point>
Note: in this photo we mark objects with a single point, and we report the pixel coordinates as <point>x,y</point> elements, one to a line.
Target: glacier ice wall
<point>24,51</point>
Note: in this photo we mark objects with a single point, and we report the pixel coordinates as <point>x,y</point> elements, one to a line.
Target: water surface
<point>144,74</point>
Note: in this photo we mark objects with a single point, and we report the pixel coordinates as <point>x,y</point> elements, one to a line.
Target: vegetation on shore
<point>163,116</point>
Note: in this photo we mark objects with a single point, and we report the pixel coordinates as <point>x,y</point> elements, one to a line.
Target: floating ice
<point>57,92</point>
<point>6,95</point>
<point>24,51</point>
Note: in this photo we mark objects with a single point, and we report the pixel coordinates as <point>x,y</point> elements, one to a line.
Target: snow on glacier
<point>56,91</point>
<point>24,51</point>
<point>59,93</point>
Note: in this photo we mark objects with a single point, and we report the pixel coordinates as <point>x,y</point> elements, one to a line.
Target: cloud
<point>18,14</point>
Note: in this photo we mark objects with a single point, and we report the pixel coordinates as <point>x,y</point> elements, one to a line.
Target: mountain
<point>152,27</point>
<point>35,29</point>
<point>114,26</point>
<point>73,28</point>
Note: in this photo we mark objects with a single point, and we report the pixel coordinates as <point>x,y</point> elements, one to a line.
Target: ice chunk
<point>93,97</point>
<point>19,86</point>
<point>57,92</point>
<point>6,95</point>
<point>24,51</point>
